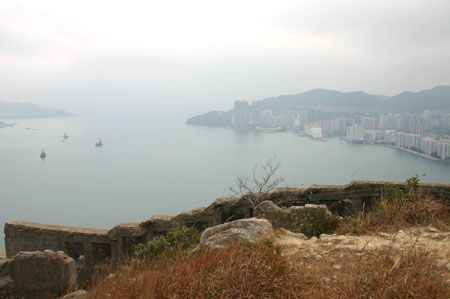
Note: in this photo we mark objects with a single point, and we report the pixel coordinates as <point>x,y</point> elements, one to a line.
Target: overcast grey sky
<point>132,53</point>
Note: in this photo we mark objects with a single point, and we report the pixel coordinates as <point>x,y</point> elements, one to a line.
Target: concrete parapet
<point>81,244</point>
<point>349,199</point>
<point>39,274</point>
<point>294,218</point>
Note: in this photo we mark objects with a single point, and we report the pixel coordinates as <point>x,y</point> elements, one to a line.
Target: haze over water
<point>151,166</point>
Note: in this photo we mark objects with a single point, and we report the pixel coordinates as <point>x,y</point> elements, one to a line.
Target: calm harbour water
<point>151,166</point>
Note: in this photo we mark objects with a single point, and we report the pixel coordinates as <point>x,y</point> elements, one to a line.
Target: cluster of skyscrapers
<point>248,116</point>
<point>417,132</point>
<point>438,148</point>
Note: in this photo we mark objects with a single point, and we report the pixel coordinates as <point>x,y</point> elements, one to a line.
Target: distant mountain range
<point>25,110</point>
<point>413,102</point>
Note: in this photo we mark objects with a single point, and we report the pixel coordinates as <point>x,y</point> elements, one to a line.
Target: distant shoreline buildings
<point>420,133</point>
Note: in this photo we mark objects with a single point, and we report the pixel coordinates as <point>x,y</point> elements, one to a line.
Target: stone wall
<point>37,274</point>
<point>86,246</point>
<point>351,198</point>
<point>299,219</point>
<point>93,248</point>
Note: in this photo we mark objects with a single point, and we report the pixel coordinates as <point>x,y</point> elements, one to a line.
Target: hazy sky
<point>71,54</point>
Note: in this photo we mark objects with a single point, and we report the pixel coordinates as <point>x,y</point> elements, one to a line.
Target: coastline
<point>410,151</point>
<point>323,139</point>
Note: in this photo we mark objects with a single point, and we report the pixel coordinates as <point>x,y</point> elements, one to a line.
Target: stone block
<point>248,230</point>
<point>38,274</point>
<point>300,219</point>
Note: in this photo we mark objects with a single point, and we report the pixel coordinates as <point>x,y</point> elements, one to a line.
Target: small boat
<point>99,143</point>
<point>66,136</point>
<point>43,154</point>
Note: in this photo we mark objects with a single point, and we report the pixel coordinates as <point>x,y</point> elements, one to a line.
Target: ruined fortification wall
<point>93,247</point>
<point>351,198</point>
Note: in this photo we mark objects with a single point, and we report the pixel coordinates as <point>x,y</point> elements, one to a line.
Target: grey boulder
<point>243,230</point>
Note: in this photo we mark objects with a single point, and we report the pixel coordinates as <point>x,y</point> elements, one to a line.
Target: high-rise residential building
<point>266,118</point>
<point>314,131</point>
<point>240,116</point>
<point>445,119</point>
<point>256,114</point>
<point>443,149</point>
<point>355,133</point>
<point>420,129</point>
<point>369,123</point>
<point>297,121</point>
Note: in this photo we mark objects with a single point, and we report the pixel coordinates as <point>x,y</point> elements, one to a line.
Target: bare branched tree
<point>262,181</point>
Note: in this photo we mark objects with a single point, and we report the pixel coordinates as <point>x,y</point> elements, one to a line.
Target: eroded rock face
<point>244,230</point>
<point>36,274</point>
<point>299,219</point>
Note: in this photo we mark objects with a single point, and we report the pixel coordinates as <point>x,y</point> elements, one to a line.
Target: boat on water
<point>43,154</point>
<point>66,136</point>
<point>99,143</point>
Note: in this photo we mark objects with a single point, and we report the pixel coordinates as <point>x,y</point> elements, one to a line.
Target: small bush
<point>316,224</point>
<point>184,238</point>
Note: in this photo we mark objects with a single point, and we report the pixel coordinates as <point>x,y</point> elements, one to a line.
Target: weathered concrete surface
<point>30,236</point>
<point>5,279</point>
<point>123,237</point>
<point>248,230</point>
<point>90,248</point>
<point>293,218</point>
<point>221,210</point>
<point>4,266</point>
<point>351,198</point>
<point>36,274</point>
<point>157,225</point>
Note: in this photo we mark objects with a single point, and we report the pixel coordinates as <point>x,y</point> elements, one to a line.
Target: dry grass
<point>239,271</point>
<point>397,210</point>
<point>376,275</point>
<point>263,271</point>
<point>260,271</point>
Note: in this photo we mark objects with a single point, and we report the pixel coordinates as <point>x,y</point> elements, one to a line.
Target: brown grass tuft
<point>260,271</point>
<point>397,210</point>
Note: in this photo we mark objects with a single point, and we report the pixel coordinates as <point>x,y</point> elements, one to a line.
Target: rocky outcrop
<point>304,219</point>
<point>38,274</point>
<point>244,230</point>
<point>427,239</point>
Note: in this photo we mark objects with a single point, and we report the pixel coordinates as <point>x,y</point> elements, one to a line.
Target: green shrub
<point>316,224</point>
<point>185,238</point>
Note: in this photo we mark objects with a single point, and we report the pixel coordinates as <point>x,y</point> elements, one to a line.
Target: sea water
<point>159,165</point>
